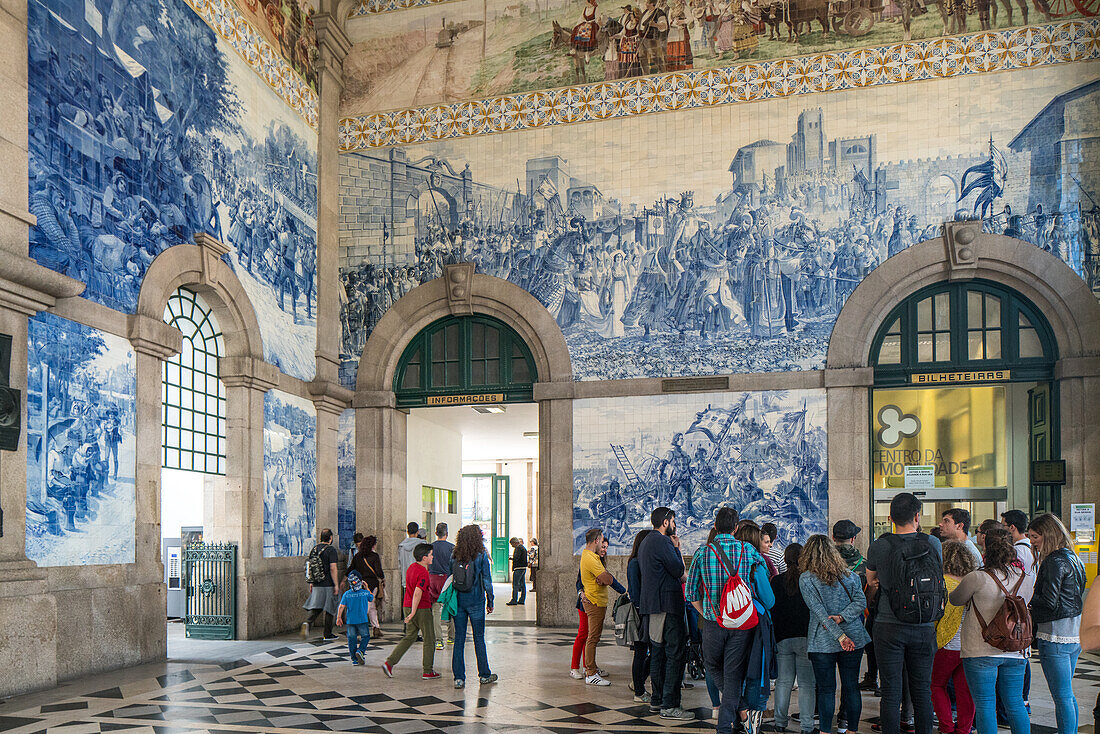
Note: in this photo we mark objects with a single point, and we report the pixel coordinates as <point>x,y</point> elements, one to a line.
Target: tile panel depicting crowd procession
<point>446,52</point>
<point>290,474</point>
<point>734,249</point>
<point>145,128</point>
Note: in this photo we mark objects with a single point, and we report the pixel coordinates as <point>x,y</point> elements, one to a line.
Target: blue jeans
<point>826,665</point>
<point>519,585</point>
<point>476,617</point>
<point>360,632</point>
<point>1059,661</point>
<point>791,659</point>
<point>726,658</point>
<point>991,678</point>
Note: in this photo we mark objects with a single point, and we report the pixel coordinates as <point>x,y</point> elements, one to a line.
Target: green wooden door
<point>500,547</point>
<point>1042,446</point>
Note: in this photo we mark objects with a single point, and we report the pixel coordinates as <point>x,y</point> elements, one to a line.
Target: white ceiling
<point>489,436</point>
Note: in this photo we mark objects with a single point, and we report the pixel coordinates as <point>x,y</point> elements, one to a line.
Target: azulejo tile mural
<point>287,27</point>
<point>978,53</point>
<point>290,474</point>
<point>345,478</point>
<point>81,388</point>
<point>724,239</point>
<point>762,453</point>
<point>440,53</point>
<point>146,128</point>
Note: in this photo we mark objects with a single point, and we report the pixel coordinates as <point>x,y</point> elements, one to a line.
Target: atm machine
<point>171,551</point>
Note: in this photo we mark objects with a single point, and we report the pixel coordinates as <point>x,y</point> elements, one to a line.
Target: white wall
<point>434,460</point>
<point>181,501</point>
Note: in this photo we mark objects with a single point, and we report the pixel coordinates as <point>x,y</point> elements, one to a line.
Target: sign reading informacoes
<point>920,477</point>
<point>465,399</point>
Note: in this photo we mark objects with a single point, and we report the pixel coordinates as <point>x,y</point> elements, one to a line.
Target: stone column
<point>556,593</point>
<point>332,45</point>
<point>1079,403</point>
<point>234,511</point>
<point>848,410</point>
<point>381,509</point>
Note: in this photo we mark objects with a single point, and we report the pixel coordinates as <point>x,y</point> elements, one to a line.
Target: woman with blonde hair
<point>1056,612</point>
<point>836,635</point>
<point>958,561</point>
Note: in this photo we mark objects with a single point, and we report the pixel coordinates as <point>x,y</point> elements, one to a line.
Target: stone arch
<point>488,295</point>
<point>207,274</point>
<point>412,204</point>
<point>1062,296</point>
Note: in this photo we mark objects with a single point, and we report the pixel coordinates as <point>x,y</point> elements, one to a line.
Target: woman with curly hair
<point>473,605</point>
<point>368,564</point>
<point>836,635</point>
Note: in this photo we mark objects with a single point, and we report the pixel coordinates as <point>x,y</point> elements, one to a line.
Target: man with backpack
<point>720,587</point>
<point>907,565</point>
<point>324,591</point>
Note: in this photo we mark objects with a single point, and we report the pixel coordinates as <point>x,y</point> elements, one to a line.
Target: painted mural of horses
<point>563,38</point>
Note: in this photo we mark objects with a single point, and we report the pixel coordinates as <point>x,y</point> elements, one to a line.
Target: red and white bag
<point>736,610</point>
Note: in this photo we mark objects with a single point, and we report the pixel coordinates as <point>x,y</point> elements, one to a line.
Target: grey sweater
<point>978,590</point>
<point>843,598</point>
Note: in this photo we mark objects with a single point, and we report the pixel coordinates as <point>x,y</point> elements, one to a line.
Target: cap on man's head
<point>845,530</point>
<point>353,576</point>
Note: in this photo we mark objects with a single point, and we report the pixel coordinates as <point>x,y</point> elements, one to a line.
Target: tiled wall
<point>345,478</point>
<point>290,474</point>
<point>81,390</point>
<point>762,453</point>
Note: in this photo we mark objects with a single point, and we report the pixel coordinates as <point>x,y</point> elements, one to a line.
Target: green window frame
<point>966,326</point>
<point>465,355</point>
<point>192,394</point>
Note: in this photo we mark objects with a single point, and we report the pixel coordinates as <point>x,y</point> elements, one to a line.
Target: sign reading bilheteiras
<point>939,378</point>
<point>466,399</point>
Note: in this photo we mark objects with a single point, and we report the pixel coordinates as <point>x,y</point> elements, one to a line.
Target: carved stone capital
<point>460,294</point>
<point>333,44</point>
<point>374,399</point>
<point>212,250</point>
<point>960,238</point>
<point>152,337</point>
<point>330,397</point>
<point>28,288</point>
<point>255,374</point>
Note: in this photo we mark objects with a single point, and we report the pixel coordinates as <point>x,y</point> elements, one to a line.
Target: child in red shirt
<point>417,607</point>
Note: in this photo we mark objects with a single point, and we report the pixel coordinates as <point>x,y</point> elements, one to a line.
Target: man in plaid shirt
<point>725,652</point>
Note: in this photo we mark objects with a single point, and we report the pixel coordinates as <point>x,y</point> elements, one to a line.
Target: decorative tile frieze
<point>977,53</point>
<point>372,7</point>
<point>258,53</point>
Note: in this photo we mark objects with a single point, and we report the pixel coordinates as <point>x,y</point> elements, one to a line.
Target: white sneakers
<point>576,674</point>
<point>596,680</point>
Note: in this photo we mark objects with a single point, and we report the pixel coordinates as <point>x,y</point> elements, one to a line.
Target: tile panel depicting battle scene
<point>467,49</point>
<point>762,453</point>
<point>81,392</point>
<point>290,474</point>
<point>145,128</point>
<point>724,240</point>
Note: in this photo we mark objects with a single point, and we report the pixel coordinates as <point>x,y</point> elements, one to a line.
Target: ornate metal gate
<point>210,582</point>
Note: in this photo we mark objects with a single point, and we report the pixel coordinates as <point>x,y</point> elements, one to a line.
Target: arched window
<point>976,325</point>
<point>465,355</point>
<point>193,397</point>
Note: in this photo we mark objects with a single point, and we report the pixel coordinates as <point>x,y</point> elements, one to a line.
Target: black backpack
<point>462,577</point>
<point>316,573</point>
<point>916,591</point>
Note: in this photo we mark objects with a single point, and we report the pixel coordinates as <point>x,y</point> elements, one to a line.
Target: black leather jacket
<point>1059,587</point>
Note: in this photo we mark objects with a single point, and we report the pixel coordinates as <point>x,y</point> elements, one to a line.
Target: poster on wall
<point>345,478</point>
<point>762,453</point>
<point>290,474</point>
<point>81,391</point>
<point>146,128</point>
<point>724,239</point>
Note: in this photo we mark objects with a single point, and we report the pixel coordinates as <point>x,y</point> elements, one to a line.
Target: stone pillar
<point>848,410</point>
<point>381,509</point>
<point>556,593</point>
<point>234,511</point>
<point>332,45</point>
<point>1078,388</point>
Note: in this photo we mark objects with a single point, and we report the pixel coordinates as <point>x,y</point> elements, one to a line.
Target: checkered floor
<point>310,686</point>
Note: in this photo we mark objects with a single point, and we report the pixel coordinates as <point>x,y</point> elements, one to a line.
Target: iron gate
<point>210,582</point>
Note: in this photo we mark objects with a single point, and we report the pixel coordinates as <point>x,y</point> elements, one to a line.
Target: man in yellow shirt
<point>595,579</point>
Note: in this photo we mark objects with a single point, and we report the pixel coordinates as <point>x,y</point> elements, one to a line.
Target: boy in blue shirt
<point>354,605</point>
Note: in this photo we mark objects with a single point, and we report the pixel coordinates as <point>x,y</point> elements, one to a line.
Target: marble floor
<point>289,685</point>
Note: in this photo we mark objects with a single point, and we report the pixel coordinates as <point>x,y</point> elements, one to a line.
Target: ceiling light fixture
<point>530,434</point>
<point>489,409</point>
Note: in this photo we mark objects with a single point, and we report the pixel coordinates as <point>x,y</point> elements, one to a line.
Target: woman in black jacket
<point>1056,612</point>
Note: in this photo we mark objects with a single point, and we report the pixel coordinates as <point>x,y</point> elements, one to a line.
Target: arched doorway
<point>409,348</point>
<point>964,405</point>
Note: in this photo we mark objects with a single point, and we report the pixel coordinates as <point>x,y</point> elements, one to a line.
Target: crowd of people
<point>943,625</point>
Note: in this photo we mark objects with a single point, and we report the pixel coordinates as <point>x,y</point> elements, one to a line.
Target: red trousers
<point>582,636</point>
<point>946,666</point>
